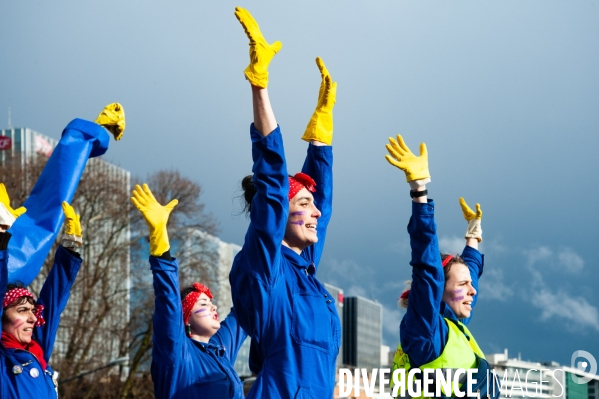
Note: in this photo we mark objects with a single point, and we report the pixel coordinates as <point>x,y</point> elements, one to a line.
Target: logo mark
<point>582,366</point>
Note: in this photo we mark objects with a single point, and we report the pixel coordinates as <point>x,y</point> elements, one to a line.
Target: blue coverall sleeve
<point>230,335</point>
<point>35,231</point>
<point>169,331</point>
<point>423,328</point>
<point>54,296</point>
<point>475,261</point>
<point>270,206</point>
<point>319,166</point>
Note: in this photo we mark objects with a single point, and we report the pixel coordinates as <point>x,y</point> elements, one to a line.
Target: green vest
<point>459,353</point>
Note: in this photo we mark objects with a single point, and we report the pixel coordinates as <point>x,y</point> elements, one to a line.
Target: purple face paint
<point>457,298</point>
<point>299,213</point>
<point>299,222</point>
<point>457,291</point>
<point>202,311</point>
<point>19,325</point>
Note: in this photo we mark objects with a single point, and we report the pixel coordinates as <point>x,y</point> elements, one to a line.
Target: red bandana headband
<point>13,295</point>
<point>191,299</point>
<point>447,259</point>
<point>299,181</point>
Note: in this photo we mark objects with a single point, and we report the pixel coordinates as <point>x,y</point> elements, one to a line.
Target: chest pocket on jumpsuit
<point>312,320</point>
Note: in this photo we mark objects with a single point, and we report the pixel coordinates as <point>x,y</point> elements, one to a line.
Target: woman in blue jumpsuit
<point>290,316</point>
<point>199,363</point>
<point>444,288</point>
<point>29,327</point>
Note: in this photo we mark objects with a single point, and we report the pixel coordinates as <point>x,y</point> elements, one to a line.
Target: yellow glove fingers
<point>423,151</point>
<point>68,210</point>
<point>250,26</point>
<point>322,68</point>
<point>466,210</point>
<point>148,193</point>
<point>171,205</point>
<point>393,162</point>
<point>402,144</point>
<point>276,46</point>
<point>479,212</point>
<point>140,196</point>
<point>394,148</point>
<point>137,204</point>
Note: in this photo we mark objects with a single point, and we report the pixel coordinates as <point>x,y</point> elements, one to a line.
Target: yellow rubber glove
<point>261,52</point>
<point>474,220</point>
<point>72,233</point>
<point>156,217</point>
<point>112,118</point>
<point>320,127</point>
<point>415,168</point>
<point>7,214</point>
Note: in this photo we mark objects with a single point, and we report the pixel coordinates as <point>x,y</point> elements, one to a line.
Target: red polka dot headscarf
<point>444,263</point>
<point>192,298</point>
<point>15,294</point>
<point>299,181</point>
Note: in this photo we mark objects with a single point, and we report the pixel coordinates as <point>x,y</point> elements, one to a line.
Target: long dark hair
<point>249,191</point>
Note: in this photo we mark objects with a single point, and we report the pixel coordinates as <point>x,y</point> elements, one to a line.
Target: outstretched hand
<point>474,220</point>
<point>73,234</point>
<point>156,217</point>
<point>415,167</point>
<point>261,53</point>
<point>112,118</point>
<point>320,126</point>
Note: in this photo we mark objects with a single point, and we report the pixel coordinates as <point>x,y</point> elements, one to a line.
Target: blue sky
<point>504,93</point>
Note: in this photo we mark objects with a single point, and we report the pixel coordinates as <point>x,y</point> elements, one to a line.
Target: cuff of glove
<point>258,80</point>
<point>320,128</point>
<point>415,184</point>
<point>71,241</point>
<point>6,218</point>
<point>474,230</point>
<point>159,243</point>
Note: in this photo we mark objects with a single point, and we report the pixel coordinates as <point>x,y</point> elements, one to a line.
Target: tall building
<point>362,332</point>
<point>23,145</point>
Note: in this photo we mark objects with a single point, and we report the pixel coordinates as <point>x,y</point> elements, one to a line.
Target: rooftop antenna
<point>9,118</point>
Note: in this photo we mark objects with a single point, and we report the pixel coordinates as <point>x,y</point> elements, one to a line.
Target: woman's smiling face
<point>302,223</point>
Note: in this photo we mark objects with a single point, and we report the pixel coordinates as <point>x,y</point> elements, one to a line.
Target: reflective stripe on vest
<point>459,352</point>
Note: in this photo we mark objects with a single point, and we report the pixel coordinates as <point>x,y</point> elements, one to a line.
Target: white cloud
<point>570,260</point>
<point>564,259</point>
<point>391,319</point>
<point>453,244</point>
<point>492,286</point>
<point>562,306</point>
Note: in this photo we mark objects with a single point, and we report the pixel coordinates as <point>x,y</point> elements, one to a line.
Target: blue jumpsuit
<point>290,316</point>
<point>183,367</point>
<point>35,231</point>
<point>423,331</point>
<point>54,296</point>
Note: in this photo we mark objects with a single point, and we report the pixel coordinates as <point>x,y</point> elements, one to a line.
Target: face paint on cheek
<point>299,223</point>
<point>457,298</point>
<point>203,311</point>
<point>457,291</point>
<point>298,213</point>
<point>18,323</point>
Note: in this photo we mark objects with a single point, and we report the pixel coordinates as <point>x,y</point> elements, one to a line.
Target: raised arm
<point>422,326</point>
<point>56,290</point>
<point>169,334</point>
<point>471,255</point>
<point>319,160</point>
<point>269,207</point>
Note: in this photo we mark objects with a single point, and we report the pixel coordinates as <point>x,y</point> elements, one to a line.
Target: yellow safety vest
<point>459,352</point>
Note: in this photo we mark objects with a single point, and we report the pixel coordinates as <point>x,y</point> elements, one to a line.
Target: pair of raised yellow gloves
<point>320,126</point>
<point>417,175</point>
<point>72,235</point>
